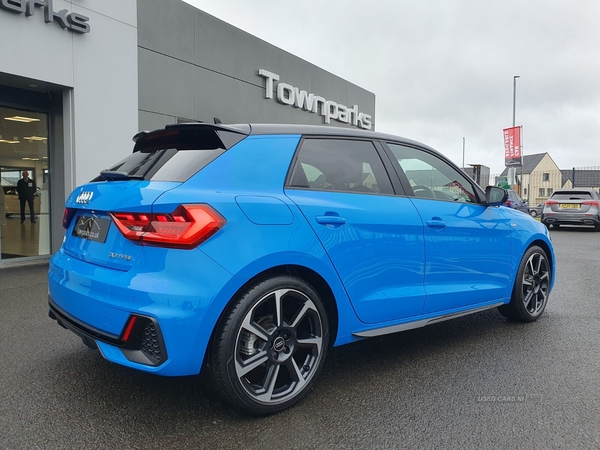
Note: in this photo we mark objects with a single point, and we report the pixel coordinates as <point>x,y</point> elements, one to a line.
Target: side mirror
<point>495,195</point>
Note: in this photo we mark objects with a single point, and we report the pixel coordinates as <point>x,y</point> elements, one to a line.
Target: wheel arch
<point>549,253</point>
<point>302,272</point>
<point>306,274</point>
<point>544,245</point>
<point>520,308</point>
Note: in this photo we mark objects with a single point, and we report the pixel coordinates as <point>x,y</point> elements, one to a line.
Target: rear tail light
<point>591,203</point>
<point>186,227</point>
<point>67,216</point>
<point>550,202</point>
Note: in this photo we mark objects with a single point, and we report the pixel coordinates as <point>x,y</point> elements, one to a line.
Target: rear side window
<point>340,165</point>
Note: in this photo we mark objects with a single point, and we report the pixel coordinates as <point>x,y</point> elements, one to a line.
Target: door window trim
<point>404,179</point>
<point>380,152</point>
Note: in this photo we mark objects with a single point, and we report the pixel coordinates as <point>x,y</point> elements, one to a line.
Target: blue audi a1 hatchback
<point>250,250</point>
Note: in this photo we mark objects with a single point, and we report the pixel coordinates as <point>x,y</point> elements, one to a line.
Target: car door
<point>519,203</point>
<point>373,237</point>
<point>467,245</point>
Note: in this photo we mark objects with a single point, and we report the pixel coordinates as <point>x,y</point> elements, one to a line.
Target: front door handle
<point>436,222</point>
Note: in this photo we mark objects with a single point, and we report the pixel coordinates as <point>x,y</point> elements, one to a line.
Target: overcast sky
<point>442,70</point>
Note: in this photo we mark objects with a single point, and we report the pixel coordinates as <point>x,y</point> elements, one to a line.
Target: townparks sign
<point>75,22</point>
<point>287,94</point>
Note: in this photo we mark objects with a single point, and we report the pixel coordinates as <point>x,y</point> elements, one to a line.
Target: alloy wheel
<point>279,346</point>
<point>536,283</point>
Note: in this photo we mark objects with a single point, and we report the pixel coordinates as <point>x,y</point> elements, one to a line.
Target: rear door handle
<point>330,220</point>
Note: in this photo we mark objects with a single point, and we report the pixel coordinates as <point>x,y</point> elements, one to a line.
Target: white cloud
<point>443,69</point>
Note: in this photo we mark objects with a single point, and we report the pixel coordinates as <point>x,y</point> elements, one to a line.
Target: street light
<point>515,98</point>
<point>512,172</point>
<point>463,154</point>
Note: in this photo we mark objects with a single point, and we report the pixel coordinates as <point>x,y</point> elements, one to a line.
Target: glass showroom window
<point>24,148</point>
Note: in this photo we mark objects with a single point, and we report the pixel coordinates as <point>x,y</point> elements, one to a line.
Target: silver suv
<point>572,207</point>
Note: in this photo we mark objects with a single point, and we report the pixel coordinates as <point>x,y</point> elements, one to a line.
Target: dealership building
<point>78,79</point>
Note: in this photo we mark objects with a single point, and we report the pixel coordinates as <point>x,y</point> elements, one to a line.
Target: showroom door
<point>24,176</point>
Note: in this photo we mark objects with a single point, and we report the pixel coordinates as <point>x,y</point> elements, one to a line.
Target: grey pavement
<point>478,382</point>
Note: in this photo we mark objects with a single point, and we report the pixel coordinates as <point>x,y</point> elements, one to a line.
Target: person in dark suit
<point>26,189</point>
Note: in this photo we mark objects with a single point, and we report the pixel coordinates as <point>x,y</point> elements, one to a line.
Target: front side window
<point>340,165</point>
<point>432,177</point>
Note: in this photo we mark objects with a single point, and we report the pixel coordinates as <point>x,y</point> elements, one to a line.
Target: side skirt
<point>421,323</point>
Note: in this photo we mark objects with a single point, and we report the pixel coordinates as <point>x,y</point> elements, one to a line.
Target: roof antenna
<point>217,121</point>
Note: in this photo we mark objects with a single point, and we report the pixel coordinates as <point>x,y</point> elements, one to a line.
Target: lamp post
<point>515,98</point>
<point>463,166</point>
<point>512,172</point>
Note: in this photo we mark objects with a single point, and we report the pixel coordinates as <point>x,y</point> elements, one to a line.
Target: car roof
<point>249,129</point>
<point>278,128</point>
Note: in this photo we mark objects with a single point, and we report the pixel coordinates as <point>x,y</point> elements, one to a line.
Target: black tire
<point>270,345</point>
<point>533,213</point>
<point>532,287</point>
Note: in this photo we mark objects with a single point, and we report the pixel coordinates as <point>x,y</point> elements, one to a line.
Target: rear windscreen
<point>163,165</point>
<point>572,195</point>
<point>172,154</point>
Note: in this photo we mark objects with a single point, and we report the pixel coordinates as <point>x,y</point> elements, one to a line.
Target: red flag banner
<point>512,146</point>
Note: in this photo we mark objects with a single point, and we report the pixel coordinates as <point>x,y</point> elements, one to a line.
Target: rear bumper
<point>144,345</point>
<point>175,305</point>
<point>87,334</point>
<point>570,219</point>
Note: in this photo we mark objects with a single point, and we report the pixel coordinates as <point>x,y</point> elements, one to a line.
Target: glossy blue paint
<point>131,195</point>
<point>469,253</point>
<point>376,244</point>
<point>256,165</point>
<point>263,210</point>
<point>387,259</point>
<point>178,289</point>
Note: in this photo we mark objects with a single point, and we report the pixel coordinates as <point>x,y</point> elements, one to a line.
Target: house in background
<point>582,178</point>
<point>538,178</point>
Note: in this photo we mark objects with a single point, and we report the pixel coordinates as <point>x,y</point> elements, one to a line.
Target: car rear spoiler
<point>191,135</point>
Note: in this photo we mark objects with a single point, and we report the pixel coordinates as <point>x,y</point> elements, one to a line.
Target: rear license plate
<point>569,205</point>
<point>91,228</point>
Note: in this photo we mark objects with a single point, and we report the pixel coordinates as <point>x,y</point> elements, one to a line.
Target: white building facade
<point>79,78</point>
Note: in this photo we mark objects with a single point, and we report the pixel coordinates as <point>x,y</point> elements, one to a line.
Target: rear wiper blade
<point>118,175</point>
